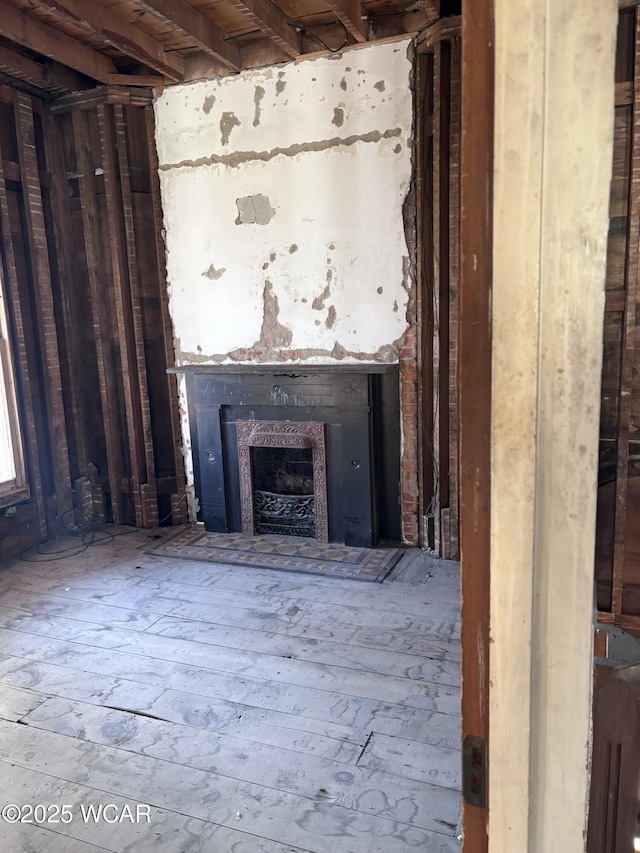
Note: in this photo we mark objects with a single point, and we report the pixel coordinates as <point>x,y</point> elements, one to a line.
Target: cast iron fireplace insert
<point>354,407</point>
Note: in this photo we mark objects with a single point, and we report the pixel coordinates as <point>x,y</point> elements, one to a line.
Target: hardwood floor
<point>209,708</point>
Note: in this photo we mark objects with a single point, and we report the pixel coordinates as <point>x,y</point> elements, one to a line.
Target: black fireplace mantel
<point>359,406</point>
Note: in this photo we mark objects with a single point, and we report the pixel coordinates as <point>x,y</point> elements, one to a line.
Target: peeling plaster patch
<point>387,354</point>
<point>318,302</point>
<point>227,122</point>
<point>317,322</point>
<point>332,246</point>
<point>329,276</point>
<point>343,84</point>
<point>213,273</point>
<point>254,210</point>
<point>379,290</point>
<point>395,305</point>
<point>240,157</point>
<point>331,317</point>
<point>273,334</point>
<point>272,257</point>
<point>280,83</point>
<point>257,97</point>
<point>406,273</point>
<point>338,117</point>
<point>293,248</point>
<point>397,149</point>
<point>209,101</point>
<point>379,86</point>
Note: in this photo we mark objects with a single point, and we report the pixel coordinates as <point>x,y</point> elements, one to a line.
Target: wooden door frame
<point>476,247</point>
<point>530,355</point>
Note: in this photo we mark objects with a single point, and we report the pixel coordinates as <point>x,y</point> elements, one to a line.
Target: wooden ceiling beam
<point>352,16</point>
<point>116,31</point>
<point>273,23</point>
<point>47,75</point>
<point>29,32</point>
<point>188,22</point>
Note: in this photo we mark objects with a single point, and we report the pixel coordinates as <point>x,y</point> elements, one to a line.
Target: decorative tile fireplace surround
<point>333,458</point>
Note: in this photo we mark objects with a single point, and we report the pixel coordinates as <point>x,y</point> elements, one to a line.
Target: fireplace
<point>283,482</point>
<point>317,444</point>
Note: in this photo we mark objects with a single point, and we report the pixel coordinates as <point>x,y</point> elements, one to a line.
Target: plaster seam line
<point>239,157</point>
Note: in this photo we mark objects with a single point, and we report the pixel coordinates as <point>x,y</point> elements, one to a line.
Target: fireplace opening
<point>283,491</point>
<point>283,478</point>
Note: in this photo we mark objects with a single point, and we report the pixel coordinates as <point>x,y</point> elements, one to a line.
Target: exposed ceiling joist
<point>192,24</point>
<point>273,23</point>
<point>48,75</point>
<point>119,33</point>
<point>29,32</point>
<point>351,15</point>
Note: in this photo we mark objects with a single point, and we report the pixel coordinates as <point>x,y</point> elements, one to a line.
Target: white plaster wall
<point>328,143</point>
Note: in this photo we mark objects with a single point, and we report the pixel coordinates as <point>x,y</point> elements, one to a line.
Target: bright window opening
<point>13,484</point>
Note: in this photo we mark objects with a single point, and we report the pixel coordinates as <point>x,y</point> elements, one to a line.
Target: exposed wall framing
<point>84,270</point>
<point>618,540</point>
<point>438,176</point>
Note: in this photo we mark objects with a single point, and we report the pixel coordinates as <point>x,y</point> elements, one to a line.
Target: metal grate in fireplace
<point>283,481</point>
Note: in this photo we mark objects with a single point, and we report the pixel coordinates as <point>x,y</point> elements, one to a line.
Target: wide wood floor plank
<point>264,664</point>
<point>355,787</point>
<point>440,622</point>
<point>381,661</point>
<point>423,640</point>
<point>439,765</point>
<point>316,825</point>
<point>363,713</point>
<point>16,602</point>
<point>294,731</point>
<point>16,702</point>
<point>167,829</point>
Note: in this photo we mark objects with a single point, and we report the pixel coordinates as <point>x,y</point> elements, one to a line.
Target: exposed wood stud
<point>143,437</point>
<point>19,343</point>
<point>29,32</point>
<point>97,274</point>
<point>454,296</point>
<point>122,291</point>
<point>424,263</point>
<point>179,508</point>
<point>476,182</point>
<point>72,323</point>
<point>39,251</point>
<point>625,424</point>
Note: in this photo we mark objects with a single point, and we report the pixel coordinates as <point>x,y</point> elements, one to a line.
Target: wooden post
<point>101,312</point>
<point>476,196</point>
<point>32,195</point>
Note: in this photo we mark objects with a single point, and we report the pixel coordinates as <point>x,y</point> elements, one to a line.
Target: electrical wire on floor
<point>89,533</point>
